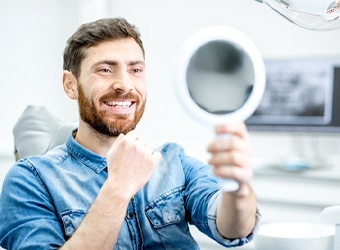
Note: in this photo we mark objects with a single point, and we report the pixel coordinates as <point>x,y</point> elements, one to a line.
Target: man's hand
<point>231,156</point>
<point>131,162</point>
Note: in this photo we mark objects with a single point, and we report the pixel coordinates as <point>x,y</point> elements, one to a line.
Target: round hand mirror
<point>220,78</point>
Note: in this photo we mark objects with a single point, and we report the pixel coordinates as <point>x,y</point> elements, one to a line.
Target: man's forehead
<point>126,50</point>
<point>121,43</point>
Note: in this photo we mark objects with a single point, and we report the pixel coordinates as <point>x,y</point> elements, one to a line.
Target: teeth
<point>119,104</point>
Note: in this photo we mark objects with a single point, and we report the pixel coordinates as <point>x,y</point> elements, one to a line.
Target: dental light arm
<point>321,15</point>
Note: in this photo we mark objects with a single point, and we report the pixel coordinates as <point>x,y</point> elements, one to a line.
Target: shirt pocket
<point>72,220</point>
<point>167,217</point>
<point>167,209</point>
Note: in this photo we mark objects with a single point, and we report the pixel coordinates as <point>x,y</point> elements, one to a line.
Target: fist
<point>131,162</point>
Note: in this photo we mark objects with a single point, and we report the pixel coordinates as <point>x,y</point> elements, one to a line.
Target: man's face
<point>112,86</point>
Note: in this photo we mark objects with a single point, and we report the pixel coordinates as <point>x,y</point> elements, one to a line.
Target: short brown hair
<point>90,34</point>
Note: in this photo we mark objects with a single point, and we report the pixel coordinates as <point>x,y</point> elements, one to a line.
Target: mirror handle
<point>227,185</point>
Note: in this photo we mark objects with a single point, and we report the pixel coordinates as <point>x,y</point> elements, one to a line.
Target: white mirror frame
<point>234,37</point>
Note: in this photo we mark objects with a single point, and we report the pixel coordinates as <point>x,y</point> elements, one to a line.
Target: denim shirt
<point>45,198</point>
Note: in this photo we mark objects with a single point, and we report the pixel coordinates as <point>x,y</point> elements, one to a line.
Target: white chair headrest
<point>37,131</point>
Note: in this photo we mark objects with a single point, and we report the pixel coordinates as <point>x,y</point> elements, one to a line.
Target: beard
<point>102,122</point>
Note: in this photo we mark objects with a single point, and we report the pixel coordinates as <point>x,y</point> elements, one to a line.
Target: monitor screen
<point>301,95</point>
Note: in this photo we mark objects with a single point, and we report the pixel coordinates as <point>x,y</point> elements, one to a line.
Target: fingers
<point>139,142</point>
<point>236,173</point>
<point>134,140</point>
<point>231,142</point>
<point>144,145</point>
<point>232,150</point>
<point>236,165</point>
<point>131,161</point>
<point>237,129</point>
<point>156,156</point>
<point>231,156</point>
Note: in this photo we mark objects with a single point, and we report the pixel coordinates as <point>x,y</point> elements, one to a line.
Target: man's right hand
<point>131,162</point>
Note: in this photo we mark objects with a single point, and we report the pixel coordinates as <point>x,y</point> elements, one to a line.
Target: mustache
<point>120,96</point>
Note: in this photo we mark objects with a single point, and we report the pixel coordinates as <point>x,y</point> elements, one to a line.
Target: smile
<point>117,104</point>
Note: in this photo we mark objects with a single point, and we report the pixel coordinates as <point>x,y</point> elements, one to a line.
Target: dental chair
<point>37,131</point>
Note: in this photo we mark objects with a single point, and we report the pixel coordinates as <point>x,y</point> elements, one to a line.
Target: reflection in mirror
<point>220,77</point>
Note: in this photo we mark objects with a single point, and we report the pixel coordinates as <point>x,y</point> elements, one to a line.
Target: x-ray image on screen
<point>298,93</point>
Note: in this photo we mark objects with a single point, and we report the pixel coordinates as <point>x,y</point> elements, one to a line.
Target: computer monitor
<point>301,95</point>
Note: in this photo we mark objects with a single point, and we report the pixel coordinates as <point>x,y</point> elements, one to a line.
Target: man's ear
<point>70,84</point>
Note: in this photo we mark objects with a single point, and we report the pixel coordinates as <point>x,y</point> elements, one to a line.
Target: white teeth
<point>119,104</point>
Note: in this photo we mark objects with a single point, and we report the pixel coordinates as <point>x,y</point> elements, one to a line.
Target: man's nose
<point>122,81</point>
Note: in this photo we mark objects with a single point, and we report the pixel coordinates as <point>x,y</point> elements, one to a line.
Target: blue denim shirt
<point>45,198</point>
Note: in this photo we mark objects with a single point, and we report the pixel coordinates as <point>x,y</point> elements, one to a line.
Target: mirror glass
<point>220,76</point>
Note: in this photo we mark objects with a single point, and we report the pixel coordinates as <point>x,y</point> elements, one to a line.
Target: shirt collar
<point>94,161</point>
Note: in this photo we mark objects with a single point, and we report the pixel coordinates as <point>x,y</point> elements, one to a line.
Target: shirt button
<point>69,231</point>
<point>130,216</point>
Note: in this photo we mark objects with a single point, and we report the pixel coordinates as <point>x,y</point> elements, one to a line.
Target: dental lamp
<point>320,15</point>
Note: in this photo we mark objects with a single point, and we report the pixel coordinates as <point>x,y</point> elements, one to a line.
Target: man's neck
<point>93,140</point>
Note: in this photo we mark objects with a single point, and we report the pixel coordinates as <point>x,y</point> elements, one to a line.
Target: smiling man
<point>106,187</point>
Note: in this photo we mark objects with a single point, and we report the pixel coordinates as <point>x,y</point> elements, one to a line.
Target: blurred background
<point>32,38</point>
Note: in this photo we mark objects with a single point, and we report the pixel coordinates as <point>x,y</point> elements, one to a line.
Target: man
<point>108,188</point>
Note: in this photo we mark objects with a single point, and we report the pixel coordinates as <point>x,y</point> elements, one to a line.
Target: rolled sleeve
<point>212,212</point>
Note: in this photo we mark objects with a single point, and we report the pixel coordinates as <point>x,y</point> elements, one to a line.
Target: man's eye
<point>136,70</point>
<point>104,70</point>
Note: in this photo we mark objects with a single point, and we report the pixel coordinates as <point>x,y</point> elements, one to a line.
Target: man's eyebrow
<point>109,62</point>
<point>137,62</point>
<point>113,62</point>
